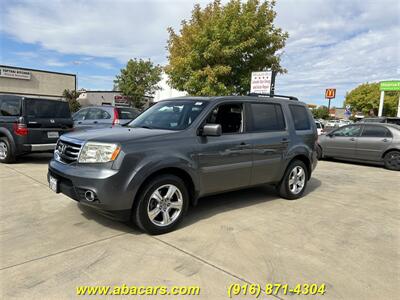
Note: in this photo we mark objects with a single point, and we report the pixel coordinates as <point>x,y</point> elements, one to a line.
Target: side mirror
<point>212,130</point>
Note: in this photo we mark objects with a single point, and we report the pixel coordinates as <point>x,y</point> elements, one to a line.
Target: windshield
<point>40,108</point>
<point>170,115</point>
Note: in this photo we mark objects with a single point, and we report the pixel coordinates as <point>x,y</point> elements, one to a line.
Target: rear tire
<point>294,181</point>
<point>161,204</point>
<point>6,153</point>
<point>392,160</point>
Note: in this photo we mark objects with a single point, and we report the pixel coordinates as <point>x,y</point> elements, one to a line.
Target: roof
<point>232,97</point>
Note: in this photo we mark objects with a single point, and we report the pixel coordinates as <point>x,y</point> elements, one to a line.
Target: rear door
<point>342,142</point>
<point>374,140</point>
<point>10,111</point>
<point>269,138</point>
<point>46,120</point>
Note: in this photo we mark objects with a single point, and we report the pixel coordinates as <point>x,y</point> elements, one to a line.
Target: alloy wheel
<point>3,150</point>
<point>297,179</point>
<point>165,205</point>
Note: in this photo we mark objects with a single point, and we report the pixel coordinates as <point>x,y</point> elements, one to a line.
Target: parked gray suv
<point>182,149</point>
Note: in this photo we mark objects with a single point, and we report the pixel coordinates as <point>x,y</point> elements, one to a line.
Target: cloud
<point>333,43</point>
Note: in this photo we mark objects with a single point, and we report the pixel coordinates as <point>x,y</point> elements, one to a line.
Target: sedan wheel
<point>3,150</point>
<point>392,160</point>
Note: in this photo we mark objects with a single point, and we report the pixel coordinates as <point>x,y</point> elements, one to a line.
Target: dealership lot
<point>344,233</point>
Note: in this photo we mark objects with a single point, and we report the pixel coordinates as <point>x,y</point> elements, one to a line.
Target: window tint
<point>10,107</point>
<point>300,117</point>
<point>266,117</point>
<point>97,114</point>
<point>41,108</point>
<point>350,131</point>
<point>229,116</point>
<point>375,131</point>
<point>126,113</point>
<point>80,115</point>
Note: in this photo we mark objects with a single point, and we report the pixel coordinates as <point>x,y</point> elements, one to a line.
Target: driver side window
<point>348,131</point>
<point>229,116</point>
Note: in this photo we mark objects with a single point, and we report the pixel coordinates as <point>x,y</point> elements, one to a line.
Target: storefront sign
<point>261,82</point>
<point>15,73</point>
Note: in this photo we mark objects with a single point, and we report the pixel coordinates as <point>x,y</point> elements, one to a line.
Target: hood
<point>116,134</point>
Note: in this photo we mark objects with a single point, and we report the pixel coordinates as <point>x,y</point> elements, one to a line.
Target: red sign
<point>330,93</point>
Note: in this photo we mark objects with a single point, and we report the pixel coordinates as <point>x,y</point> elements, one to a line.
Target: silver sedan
<point>368,142</point>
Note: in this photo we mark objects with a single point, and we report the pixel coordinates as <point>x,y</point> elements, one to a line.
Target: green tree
<point>366,96</point>
<point>321,112</point>
<point>71,96</point>
<point>218,48</point>
<point>138,80</point>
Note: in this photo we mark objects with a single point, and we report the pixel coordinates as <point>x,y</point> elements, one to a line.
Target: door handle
<point>79,122</point>
<point>352,139</point>
<point>285,141</point>
<point>385,140</point>
<point>95,122</point>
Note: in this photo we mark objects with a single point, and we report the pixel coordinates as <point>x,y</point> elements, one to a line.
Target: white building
<point>166,91</point>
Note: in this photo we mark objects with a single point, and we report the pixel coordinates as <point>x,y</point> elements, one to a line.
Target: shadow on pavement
<point>34,158</point>
<point>207,207</point>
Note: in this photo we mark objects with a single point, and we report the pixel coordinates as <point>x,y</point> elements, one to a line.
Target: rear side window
<point>10,107</point>
<point>266,117</point>
<point>47,109</point>
<point>375,131</point>
<point>127,113</point>
<point>97,114</point>
<point>300,117</point>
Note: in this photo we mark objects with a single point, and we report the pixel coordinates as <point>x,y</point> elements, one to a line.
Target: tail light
<point>116,117</point>
<point>20,128</point>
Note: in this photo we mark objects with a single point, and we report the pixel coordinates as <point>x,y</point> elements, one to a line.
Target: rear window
<point>267,117</point>
<point>40,108</point>
<point>300,117</point>
<point>10,107</point>
<point>126,113</point>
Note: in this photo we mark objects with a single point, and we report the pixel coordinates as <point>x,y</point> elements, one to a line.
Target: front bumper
<point>113,198</point>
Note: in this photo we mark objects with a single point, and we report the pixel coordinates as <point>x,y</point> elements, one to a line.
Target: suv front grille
<point>67,152</point>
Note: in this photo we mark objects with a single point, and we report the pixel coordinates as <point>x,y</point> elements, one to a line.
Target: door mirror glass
<point>212,130</point>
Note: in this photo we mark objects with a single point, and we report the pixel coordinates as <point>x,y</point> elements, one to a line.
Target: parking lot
<point>344,233</point>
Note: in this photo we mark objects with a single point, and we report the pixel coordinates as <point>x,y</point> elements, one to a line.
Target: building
<point>166,91</point>
<point>35,83</point>
<point>90,98</point>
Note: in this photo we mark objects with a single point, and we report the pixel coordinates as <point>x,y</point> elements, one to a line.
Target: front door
<point>342,142</point>
<point>374,140</point>
<point>225,161</point>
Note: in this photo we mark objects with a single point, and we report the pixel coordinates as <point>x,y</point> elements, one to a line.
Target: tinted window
<point>266,117</point>
<point>300,117</point>
<point>80,115</point>
<point>10,107</point>
<point>229,116</point>
<point>97,114</point>
<point>172,115</point>
<point>126,113</point>
<point>39,108</point>
<point>350,131</point>
<point>318,125</point>
<point>375,131</point>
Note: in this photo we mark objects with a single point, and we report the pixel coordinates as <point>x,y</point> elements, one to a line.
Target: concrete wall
<point>40,83</point>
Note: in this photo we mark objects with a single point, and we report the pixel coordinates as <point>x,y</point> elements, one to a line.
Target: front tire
<point>294,181</point>
<point>392,160</point>
<point>6,154</point>
<point>161,205</point>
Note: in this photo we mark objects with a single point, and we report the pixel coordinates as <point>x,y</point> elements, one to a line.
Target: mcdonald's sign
<point>330,93</point>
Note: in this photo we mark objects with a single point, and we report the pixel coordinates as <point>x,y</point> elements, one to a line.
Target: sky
<point>332,43</point>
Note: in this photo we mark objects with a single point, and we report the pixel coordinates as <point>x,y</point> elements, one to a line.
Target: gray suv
<point>182,149</point>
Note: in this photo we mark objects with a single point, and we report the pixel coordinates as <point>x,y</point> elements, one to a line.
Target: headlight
<point>93,152</point>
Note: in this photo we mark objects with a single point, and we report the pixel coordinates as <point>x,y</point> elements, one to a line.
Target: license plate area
<point>53,134</point>
<point>53,184</point>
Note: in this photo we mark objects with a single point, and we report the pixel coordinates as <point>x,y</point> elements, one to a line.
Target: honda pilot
<point>182,149</point>
<point>31,125</point>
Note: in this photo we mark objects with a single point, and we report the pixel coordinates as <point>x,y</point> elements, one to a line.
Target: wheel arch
<point>389,150</point>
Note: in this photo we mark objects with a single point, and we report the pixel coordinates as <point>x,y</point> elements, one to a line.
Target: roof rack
<point>273,96</point>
